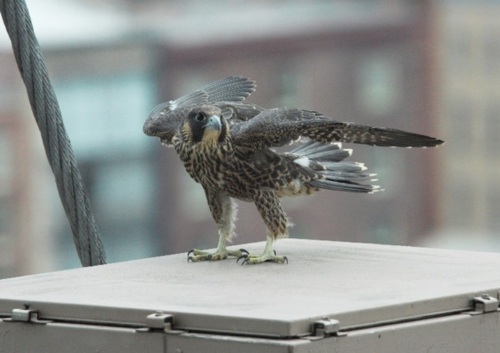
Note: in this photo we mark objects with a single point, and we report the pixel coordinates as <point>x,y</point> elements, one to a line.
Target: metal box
<point>331,297</point>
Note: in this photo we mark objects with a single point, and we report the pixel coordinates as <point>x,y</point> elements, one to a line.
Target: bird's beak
<point>213,123</point>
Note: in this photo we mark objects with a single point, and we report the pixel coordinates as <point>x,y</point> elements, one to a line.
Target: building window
<point>6,165</point>
<point>289,88</point>
<point>491,130</point>
<point>379,83</point>
<point>104,118</point>
<point>387,164</point>
<point>461,120</point>
<point>493,206</point>
<point>458,50</point>
<point>492,53</point>
<point>105,115</point>
<point>461,208</point>
<point>9,200</point>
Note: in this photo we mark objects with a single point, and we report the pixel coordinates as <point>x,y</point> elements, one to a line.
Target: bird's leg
<point>221,253</point>
<point>269,255</point>
<point>270,209</point>
<point>224,213</point>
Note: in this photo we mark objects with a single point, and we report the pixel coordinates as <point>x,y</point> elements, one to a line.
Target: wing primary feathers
<point>282,126</point>
<point>381,136</point>
<point>197,97</point>
<point>229,89</point>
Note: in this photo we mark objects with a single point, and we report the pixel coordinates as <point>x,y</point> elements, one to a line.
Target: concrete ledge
<point>358,286</point>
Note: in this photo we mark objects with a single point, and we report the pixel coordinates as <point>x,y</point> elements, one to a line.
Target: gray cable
<point>55,140</point>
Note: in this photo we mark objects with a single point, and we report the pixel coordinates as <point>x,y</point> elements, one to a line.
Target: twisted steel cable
<point>55,139</point>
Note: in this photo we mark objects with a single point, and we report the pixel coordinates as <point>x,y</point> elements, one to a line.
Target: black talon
<point>190,259</point>
<point>245,257</point>
<point>244,251</point>
<point>190,252</point>
<point>285,259</point>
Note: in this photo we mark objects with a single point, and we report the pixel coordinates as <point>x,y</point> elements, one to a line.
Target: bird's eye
<point>199,117</point>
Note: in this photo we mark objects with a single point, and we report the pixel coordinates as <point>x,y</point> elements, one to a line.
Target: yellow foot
<point>266,257</point>
<point>199,255</point>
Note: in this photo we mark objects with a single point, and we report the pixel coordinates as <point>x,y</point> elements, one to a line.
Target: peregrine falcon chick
<point>226,146</point>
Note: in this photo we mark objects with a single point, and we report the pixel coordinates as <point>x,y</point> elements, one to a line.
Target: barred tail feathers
<point>327,160</point>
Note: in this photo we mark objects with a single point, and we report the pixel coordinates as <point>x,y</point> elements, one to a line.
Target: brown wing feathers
<point>281,126</point>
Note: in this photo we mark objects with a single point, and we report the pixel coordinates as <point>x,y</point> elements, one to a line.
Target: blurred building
<point>105,84</point>
<point>15,171</point>
<point>468,44</point>
<point>360,61</point>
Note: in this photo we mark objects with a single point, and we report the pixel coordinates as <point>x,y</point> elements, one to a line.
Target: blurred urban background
<point>426,66</point>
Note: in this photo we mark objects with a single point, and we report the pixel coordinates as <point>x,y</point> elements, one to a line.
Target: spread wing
<point>282,126</point>
<point>165,119</point>
<point>229,89</point>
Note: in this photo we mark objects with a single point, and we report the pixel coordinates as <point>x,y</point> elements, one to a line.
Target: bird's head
<point>205,124</point>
